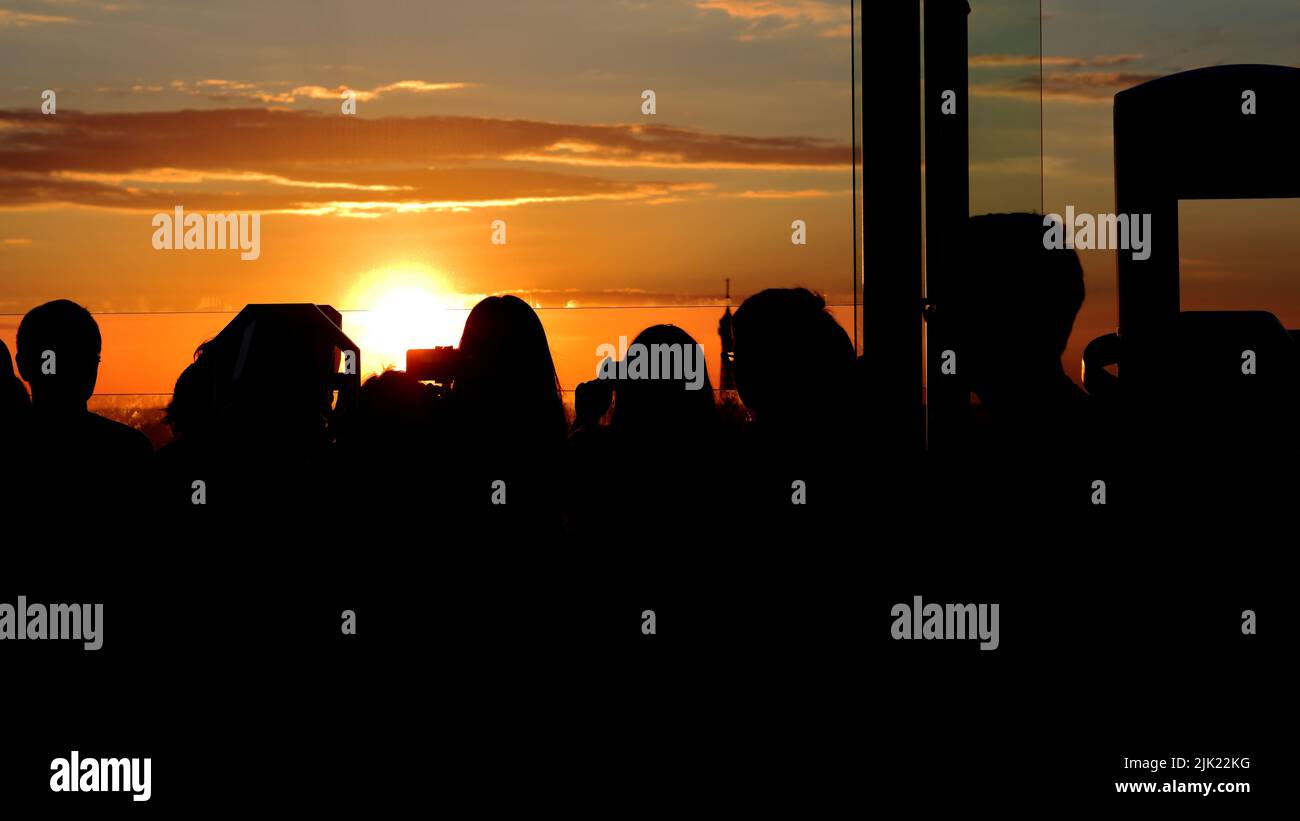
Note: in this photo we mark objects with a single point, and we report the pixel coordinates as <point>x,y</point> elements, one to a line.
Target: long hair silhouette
<point>506,381</point>
<point>660,408</point>
<point>13,394</point>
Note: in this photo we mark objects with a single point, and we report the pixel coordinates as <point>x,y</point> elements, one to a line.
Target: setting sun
<point>397,309</point>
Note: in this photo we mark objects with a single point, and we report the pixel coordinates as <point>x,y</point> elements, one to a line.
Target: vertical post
<point>854,159</point>
<point>891,235</point>
<point>947,206</point>
<point>727,340</point>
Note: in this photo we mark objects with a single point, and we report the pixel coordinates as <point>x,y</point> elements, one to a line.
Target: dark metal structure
<point>892,273</point>
<point>1195,382</point>
<point>947,200</point>
<point>1188,136</point>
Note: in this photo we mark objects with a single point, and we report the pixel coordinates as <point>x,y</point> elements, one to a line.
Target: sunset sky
<point>1235,255</point>
<point>466,113</point>
<point>530,112</point>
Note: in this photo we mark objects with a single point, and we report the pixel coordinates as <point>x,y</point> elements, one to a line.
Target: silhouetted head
<point>271,372</point>
<point>794,362</point>
<point>393,409</point>
<point>680,401</point>
<point>505,378</point>
<point>192,408</point>
<point>1012,303</point>
<point>6,361</point>
<point>13,394</point>
<point>58,355</point>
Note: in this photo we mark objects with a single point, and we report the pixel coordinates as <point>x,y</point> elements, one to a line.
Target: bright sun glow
<point>403,307</point>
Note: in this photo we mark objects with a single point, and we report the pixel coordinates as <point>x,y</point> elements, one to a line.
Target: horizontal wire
<point>562,390</point>
<point>370,310</point>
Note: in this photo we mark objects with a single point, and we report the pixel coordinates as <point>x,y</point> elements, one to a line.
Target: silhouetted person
<point>192,416</point>
<point>394,410</point>
<point>672,407</point>
<point>389,440</point>
<point>507,421</point>
<point>1012,311</point>
<point>666,406</point>
<point>73,457</point>
<point>793,362</point>
<point>505,378</point>
<point>794,369</point>
<point>15,411</point>
<point>662,442</point>
<point>191,410</point>
<point>252,416</point>
<point>14,401</point>
<point>592,401</point>
<point>1010,314</point>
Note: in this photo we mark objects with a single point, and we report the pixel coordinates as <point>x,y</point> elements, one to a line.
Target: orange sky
<point>143,354</point>
<point>463,119</point>
<point>460,121</point>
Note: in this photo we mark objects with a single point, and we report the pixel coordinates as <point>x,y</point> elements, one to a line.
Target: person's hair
<point>271,384</point>
<point>13,393</point>
<point>67,329</point>
<point>505,377</point>
<point>665,404</point>
<point>61,323</point>
<point>1011,289</point>
<point>392,406</point>
<point>792,357</point>
<point>191,408</point>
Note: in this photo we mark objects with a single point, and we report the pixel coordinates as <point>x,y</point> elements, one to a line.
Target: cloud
<point>1063,81</point>
<point>97,5</point>
<point>1080,87</point>
<point>1015,60</point>
<point>420,86</point>
<point>434,190</point>
<point>671,147</point>
<point>767,19</point>
<point>16,241</point>
<point>311,163</point>
<point>286,142</point>
<point>21,19</point>
<point>777,194</point>
<point>287,92</point>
